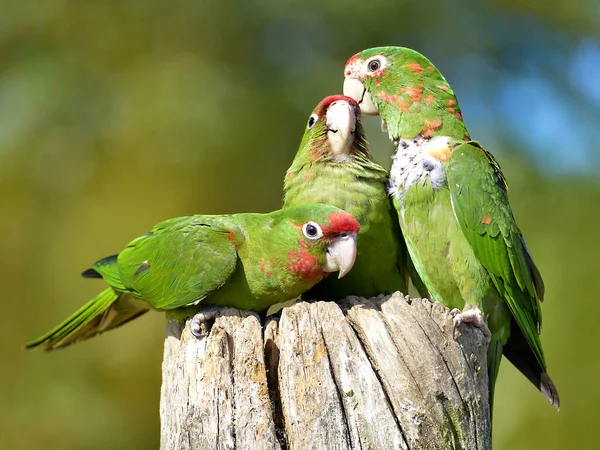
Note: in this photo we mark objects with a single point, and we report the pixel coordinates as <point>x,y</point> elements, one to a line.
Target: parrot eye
<point>374,65</point>
<point>312,120</point>
<point>312,230</point>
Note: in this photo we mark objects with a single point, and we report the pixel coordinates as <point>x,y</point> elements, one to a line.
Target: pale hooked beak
<point>355,89</point>
<point>341,123</point>
<point>341,254</point>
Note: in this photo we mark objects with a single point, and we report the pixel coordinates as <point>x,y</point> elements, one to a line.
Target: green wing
<point>107,269</point>
<point>179,262</point>
<point>480,201</point>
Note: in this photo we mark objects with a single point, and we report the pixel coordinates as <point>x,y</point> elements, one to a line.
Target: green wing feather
<point>107,269</point>
<point>480,201</point>
<point>179,262</point>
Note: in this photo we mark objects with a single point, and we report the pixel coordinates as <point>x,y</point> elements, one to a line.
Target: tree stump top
<point>383,373</point>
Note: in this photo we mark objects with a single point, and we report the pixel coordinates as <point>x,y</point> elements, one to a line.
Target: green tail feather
<point>100,314</point>
<point>494,357</point>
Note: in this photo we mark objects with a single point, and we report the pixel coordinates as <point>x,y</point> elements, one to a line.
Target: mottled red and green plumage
<point>453,206</point>
<point>246,261</point>
<point>333,166</point>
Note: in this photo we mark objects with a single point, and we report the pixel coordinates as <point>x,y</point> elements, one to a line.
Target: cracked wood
<point>383,373</point>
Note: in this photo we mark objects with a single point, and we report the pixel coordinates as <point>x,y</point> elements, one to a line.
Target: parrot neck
<point>427,109</point>
<point>318,150</point>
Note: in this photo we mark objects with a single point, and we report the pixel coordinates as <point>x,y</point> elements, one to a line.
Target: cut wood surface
<point>383,373</point>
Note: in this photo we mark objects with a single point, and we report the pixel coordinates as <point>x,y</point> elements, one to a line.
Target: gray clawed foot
<point>475,318</point>
<point>198,324</point>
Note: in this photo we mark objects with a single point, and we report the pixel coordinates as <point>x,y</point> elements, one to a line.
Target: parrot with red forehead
<point>333,166</point>
<point>452,204</point>
<point>245,261</point>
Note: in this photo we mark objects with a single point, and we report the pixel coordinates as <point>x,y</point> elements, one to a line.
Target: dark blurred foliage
<point>115,115</point>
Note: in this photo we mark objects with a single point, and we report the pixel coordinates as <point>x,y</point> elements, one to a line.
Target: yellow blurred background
<point>115,115</point>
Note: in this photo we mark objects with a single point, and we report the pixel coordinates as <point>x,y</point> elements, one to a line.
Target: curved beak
<point>341,254</point>
<point>341,123</point>
<point>355,89</point>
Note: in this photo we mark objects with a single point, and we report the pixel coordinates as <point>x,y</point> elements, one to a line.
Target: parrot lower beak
<point>355,89</point>
<point>341,123</point>
<point>341,254</point>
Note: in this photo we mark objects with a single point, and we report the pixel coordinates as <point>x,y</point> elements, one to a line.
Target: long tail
<point>494,356</point>
<point>100,314</point>
<point>518,352</point>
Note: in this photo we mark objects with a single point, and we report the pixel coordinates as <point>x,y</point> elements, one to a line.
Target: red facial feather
<point>327,101</point>
<point>339,222</point>
<point>349,67</point>
<point>304,264</point>
<point>414,67</point>
<point>320,147</point>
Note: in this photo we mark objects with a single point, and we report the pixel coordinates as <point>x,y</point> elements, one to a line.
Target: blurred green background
<point>115,115</point>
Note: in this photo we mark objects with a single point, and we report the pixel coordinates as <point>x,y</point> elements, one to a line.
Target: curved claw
<point>475,318</point>
<point>198,323</point>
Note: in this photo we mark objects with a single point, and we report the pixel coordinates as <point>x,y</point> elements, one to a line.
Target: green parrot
<point>452,203</point>
<point>246,261</point>
<point>333,166</point>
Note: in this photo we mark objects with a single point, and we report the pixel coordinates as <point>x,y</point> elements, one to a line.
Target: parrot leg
<point>198,325</point>
<point>475,318</point>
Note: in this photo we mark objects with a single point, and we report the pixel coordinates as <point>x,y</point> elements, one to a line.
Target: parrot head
<point>406,90</point>
<point>324,241</point>
<point>333,130</point>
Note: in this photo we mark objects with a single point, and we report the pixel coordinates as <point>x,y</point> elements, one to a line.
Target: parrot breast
<point>416,159</point>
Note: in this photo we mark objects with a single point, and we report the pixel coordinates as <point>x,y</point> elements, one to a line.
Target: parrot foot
<point>475,318</point>
<point>198,325</point>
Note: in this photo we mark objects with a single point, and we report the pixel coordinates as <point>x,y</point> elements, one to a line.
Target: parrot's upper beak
<point>341,254</point>
<point>355,89</point>
<point>341,124</point>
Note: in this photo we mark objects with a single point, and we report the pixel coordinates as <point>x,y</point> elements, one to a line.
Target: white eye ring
<point>312,120</point>
<point>312,230</point>
<point>380,64</point>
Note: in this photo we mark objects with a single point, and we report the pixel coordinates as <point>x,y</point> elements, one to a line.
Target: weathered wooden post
<point>383,373</point>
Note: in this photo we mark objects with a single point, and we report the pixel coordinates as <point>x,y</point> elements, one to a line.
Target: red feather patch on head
<point>414,67</point>
<point>348,68</point>
<point>339,222</point>
<point>327,101</point>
